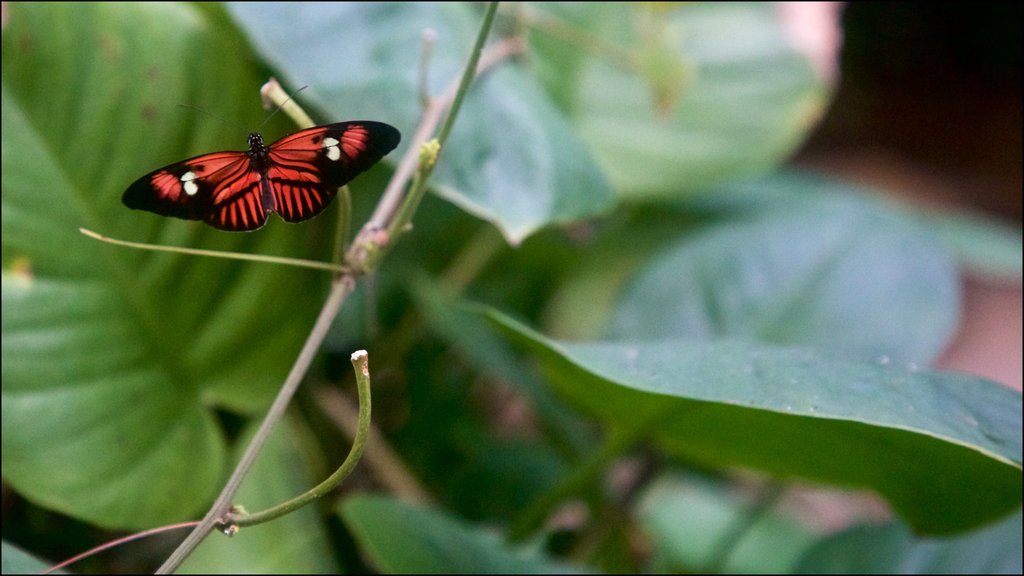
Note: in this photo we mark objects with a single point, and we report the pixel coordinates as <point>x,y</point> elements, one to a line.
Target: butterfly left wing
<point>307,168</point>
<point>221,189</point>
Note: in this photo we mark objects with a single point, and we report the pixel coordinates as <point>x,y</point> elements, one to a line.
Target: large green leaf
<point>831,270</point>
<point>673,99</point>
<point>399,538</point>
<point>893,549</point>
<point>512,158</point>
<point>790,258</point>
<point>109,355</point>
<point>943,448</point>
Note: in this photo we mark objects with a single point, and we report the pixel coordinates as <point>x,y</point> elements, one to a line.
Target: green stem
<point>469,73</point>
<point>395,210</point>
<point>344,224</point>
<point>742,525</point>
<point>475,255</point>
<point>362,370</point>
<point>340,289</point>
<point>274,94</point>
<point>579,38</point>
<point>615,444</point>
<point>424,170</point>
<point>219,254</point>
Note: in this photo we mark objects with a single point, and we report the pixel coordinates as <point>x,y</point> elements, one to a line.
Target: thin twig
<point>118,542</point>
<point>427,41</point>
<point>219,254</point>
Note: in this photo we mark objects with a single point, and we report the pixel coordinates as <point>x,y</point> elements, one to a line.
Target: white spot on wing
<point>333,151</point>
<point>187,183</point>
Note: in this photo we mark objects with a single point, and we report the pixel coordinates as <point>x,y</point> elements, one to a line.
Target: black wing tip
<point>385,137</point>
<point>137,195</point>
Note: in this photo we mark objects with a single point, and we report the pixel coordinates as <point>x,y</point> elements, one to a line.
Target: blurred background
<point>929,108</point>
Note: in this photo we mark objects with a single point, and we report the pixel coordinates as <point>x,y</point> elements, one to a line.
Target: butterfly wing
<point>307,168</point>
<point>297,176</point>
<point>222,189</point>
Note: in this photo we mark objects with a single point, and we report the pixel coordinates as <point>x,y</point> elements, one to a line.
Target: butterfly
<point>297,177</point>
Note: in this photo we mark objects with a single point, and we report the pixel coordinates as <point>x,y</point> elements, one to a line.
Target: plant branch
<point>219,254</point>
<point>368,242</point>
<point>360,364</point>
<point>393,194</point>
<point>340,289</point>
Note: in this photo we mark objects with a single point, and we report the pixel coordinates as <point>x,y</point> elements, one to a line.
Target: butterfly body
<point>296,177</point>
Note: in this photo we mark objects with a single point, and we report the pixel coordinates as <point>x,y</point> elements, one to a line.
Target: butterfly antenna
<point>280,106</point>
<point>204,112</point>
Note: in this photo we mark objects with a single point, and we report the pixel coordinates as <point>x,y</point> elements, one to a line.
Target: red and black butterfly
<point>297,177</point>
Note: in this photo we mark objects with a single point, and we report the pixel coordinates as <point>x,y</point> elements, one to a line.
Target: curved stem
<point>385,464</point>
<point>274,95</point>
<point>340,290</point>
<point>360,363</point>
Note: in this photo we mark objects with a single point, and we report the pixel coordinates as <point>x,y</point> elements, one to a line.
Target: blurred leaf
<point>688,519</point>
<point>793,413</point>
<point>293,544</point>
<point>790,258</point>
<point>893,549</point>
<point>983,246</point>
<point>396,537</point>
<point>746,98</point>
<point>493,355</point>
<point>831,270</point>
<point>109,355</point>
<point>511,160</point>
<point>17,561</point>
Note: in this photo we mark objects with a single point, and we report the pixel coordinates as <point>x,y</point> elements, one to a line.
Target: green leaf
<point>113,357</point>
<point>17,561</point>
<point>893,549</point>
<point>943,448</point>
<point>511,160</point>
<point>493,355</point>
<point>830,269</point>
<point>396,537</point>
<point>688,518</point>
<point>983,246</point>
<point>293,544</point>
<point>672,100</point>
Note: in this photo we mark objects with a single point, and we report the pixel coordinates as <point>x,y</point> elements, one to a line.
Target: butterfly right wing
<point>221,189</point>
